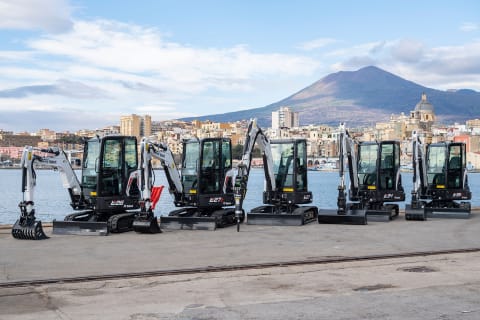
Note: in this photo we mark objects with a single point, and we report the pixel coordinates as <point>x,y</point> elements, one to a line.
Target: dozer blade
<point>275,219</point>
<point>267,215</point>
<point>188,223</point>
<point>144,224</point>
<point>381,215</point>
<point>82,228</point>
<point>31,231</point>
<point>415,213</point>
<point>352,216</point>
<point>454,213</point>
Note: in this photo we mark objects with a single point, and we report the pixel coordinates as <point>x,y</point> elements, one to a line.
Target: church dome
<point>424,105</point>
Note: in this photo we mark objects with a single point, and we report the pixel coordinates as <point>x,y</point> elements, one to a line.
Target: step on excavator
<point>440,181</point>
<point>202,191</point>
<point>100,197</point>
<point>285,168</point>
<point>375,180</point>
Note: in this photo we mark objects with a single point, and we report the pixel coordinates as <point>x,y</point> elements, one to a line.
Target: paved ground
<point>448,288</point>
<point>432,287</point>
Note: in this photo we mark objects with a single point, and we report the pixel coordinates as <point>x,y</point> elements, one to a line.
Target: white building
<point>284,118</point>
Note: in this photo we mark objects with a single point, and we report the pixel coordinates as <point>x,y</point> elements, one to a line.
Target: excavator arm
<point>419,172</point>
<point>415,210</point>
<point>240,173</point>
<point>347,153</point>
<point>145,221</point>
<point>27,227</point>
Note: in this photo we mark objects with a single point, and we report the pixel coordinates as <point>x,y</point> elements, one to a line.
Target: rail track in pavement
<point>213,269</point>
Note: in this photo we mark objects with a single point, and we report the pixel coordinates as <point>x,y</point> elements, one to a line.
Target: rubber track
<point>160,273</point>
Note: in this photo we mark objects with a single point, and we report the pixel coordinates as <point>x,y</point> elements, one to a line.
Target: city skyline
<point>83,64</point>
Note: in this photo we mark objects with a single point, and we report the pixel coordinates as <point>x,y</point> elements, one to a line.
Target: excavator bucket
<point>28,230</point>
<point>146,222</point>
<point>351,216</point>
<point>80,228</point>
<point>265,215</point>
<point>415,213</point>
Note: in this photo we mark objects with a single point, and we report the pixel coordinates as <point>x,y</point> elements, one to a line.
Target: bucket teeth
<point>33,231</point>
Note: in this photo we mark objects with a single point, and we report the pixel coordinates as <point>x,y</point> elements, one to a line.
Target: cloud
<point>408,51</point>
<point>316,44</point>
<point>134,49</point>
<point>71,89</point>
<point>440,67</point>
<point>47,15</point>
<point>139,86</point>
<point>469,27</point>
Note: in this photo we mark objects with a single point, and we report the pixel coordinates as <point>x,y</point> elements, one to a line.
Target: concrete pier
<point>429,287</point>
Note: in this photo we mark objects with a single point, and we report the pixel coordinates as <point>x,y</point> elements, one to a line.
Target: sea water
<point>53,202</point>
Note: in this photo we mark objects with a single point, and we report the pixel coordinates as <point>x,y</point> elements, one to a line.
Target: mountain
<point>362,97</point>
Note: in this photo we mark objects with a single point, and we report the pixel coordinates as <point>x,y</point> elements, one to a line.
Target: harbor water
<point>52,200</point>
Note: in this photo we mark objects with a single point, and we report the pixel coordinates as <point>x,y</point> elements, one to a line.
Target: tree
<point>237,152</point>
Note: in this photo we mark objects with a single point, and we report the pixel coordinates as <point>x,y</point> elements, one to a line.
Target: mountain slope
<point>362,97</point>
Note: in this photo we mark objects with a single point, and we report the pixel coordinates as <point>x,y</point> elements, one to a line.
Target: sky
<point>80,64</point>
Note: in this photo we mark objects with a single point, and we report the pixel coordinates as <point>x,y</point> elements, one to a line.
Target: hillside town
<point>321,139</point>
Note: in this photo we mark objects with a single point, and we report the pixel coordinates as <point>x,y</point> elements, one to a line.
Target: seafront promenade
<point>308,272</point>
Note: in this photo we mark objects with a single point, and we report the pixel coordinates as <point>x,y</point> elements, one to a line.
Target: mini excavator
<point>284,163</point>
<point>374,172</point>
<point>439,181</point>
<point>101,195</point>
<point>202,191</point>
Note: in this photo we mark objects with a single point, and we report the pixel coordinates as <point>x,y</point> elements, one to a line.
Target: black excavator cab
<point>202,203</point>
<point>106,169</point>
<point>441,182</point>
<point>107,165</point>
<point>283,204</point>
<point>379,179</point>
